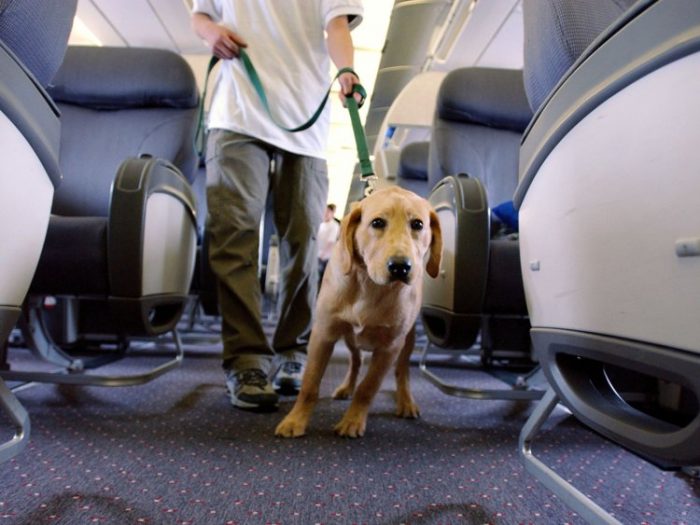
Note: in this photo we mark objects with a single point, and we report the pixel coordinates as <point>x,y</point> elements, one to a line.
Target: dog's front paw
<point>352,427</point>
<point>290,427</point>
<point>407,408</point>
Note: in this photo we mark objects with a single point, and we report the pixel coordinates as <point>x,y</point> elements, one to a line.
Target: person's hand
<point>223,42</point>
<point>347,81</point>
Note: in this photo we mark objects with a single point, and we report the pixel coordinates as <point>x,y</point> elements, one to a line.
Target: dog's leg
<point>294,424</point>
<point>355,419</point>
<point>405,405</point>
<point>347,387</point>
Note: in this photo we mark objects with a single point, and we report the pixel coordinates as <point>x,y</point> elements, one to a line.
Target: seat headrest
<point>124,78</point>
<point>485,96</point>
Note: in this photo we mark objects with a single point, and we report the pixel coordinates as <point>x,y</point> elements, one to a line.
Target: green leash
<point>367,173</point>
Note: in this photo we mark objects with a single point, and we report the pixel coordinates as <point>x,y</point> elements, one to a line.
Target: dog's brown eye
<point>417,224</point>
<point>378,223</point>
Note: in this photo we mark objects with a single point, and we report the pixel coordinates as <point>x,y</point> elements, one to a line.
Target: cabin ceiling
<point>166,24</point>
<point>139,23</point>
<point>396,40</point>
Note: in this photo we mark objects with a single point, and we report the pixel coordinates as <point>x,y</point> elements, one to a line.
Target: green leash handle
<point>350,102</point>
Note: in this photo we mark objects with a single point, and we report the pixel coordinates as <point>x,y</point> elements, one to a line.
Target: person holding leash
<point>249,156</point>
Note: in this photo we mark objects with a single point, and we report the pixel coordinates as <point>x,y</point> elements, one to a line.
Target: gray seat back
<point>479,118</point>
<point>557,32</point>
<point>118,103</point>
<point>37,33</point>
<point>413,168</point>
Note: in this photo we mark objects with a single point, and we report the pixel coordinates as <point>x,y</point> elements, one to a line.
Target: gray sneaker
<point>250,389</point>
<point>287,379</point>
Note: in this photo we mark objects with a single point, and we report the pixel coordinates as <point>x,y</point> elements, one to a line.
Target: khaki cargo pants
<point>241,171</point>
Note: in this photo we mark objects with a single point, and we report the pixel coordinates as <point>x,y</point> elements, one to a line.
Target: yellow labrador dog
<point>371,295</point>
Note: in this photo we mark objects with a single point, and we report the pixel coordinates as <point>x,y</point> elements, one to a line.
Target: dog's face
<point>392,232</point>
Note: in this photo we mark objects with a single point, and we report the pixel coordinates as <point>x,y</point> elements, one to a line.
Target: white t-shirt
<point>287,46</point>
<point>327,236</point>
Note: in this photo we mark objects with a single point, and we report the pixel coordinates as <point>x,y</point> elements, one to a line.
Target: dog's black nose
<point>399,268</point>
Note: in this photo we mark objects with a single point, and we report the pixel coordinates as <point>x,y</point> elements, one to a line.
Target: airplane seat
<point>557,36</point>
<point>413,168</point>
<point>29,145</point>
<point>120,248</point>
<point>609,233</point>
<point>479,117</point>
<point>119,101</point>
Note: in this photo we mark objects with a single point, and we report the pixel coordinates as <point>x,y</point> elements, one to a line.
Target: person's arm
<point>223,42</point>
<point>342,52</point>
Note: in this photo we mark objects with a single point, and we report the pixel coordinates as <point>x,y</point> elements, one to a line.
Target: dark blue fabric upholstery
<point>89,159</point>
<point>122,78</point>
<point>489,97</point>
<point>413,168</point>
<point>37,33</point>
<point>479,118</point>
<point>413,163</point>
<point>556,33</point>
<point>115,104</point>
<point>59,271</point>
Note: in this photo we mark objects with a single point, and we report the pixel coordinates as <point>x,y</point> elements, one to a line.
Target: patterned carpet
<point>175,452</point>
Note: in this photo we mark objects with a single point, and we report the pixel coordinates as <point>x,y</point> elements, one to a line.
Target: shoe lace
<point>252,377</point>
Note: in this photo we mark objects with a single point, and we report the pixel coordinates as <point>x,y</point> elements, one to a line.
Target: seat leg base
<point>71,377</point>
<point>522,393</point>
<point>571,496</point>
<point>12,407</point>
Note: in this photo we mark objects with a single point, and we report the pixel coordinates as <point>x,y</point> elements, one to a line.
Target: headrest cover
<point>123,78</point>
<point>485,96</point>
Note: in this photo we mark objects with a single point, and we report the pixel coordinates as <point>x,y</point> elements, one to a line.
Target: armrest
<point>136,181</point>
<point>453,303</point>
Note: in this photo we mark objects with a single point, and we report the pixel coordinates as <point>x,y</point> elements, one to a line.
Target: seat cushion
<point>60,271</point>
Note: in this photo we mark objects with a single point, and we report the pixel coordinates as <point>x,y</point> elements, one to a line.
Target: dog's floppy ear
<point>347,237</point>
<point>433,265</point>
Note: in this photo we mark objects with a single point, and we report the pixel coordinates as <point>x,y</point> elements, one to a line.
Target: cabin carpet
<point>174,451</point>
